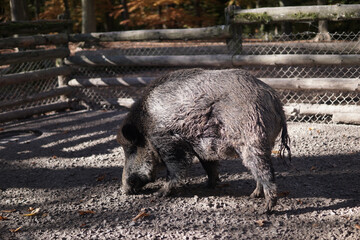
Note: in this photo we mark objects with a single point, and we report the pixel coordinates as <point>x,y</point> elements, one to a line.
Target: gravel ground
<point>71,175</point>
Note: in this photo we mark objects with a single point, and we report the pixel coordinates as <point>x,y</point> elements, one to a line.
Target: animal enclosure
<point>316,79</point>
<point>67,167</point>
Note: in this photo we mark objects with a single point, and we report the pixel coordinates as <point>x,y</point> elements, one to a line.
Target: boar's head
<point>140,158</point>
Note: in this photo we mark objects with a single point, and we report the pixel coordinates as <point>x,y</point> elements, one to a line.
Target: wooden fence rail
<point>216,32</point>
<point>328,84</point>
<point>37,97</point>
<point>23,113</point>
<point>30,41</point>
<point>219,60</point>
<point>33,55</point>
<point>18,78</point>
<point>300,13</point>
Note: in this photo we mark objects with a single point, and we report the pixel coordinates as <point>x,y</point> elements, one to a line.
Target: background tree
<point>88,16</point>
<point>115,15</point>
<point>169,13</point>
<point>18,10</point>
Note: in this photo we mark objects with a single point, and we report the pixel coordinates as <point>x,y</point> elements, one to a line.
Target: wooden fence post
<point>63,79</point>
<point>234,43</point>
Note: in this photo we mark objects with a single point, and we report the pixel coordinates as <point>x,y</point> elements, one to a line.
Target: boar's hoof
<point>270,204</point>
<point>166,190</point>
<point>257,193</point>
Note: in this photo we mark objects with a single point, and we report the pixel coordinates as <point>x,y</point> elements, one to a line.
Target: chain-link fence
<point>259,44</point>
<point>263,44</point>
<point>24,90</point>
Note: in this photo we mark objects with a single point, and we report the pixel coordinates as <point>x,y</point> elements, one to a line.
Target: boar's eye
<point>132,134</point>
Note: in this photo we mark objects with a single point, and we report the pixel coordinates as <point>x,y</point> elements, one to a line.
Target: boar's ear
<point>128,133</point>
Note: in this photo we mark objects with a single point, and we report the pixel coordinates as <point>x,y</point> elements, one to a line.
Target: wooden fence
<point>231,33</point>
<point>55,49</point>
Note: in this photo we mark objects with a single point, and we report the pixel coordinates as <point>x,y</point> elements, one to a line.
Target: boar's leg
<point>176,159</point>
<point>259,163</point>
<point>211,169</point>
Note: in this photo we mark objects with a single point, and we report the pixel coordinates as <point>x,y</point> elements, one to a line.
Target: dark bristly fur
<point>209,114</point>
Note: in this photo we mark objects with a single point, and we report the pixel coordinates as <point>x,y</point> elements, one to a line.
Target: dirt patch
<point>72,172</point>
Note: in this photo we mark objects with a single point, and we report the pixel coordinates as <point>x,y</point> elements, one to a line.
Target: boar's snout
<point>134,183</point>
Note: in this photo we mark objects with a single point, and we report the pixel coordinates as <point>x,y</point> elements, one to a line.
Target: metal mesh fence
<point>261,44</point>
<point>24,90</point>
<point>256,44</point>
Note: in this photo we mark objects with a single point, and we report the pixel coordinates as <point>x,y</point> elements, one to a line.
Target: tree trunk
<point>125,14</point>
<point>67,10</point>
<point>88,16</point>
<point>18,10</point>
<point>198,13</point>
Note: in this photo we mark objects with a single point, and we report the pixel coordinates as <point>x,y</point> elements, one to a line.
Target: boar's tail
<point>285,141</point>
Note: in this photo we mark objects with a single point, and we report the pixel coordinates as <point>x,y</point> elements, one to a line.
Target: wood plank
<point>333,84</point>
<point>311,109</point>
<point>108,82</point>
<point>24,113</point>
<point>96,59</point>
<point>33,55</point>
<point>30,41</point>
<point>215,32</point>
<point>19,78</point>
<point>336,12</point>
<point>295,59</point>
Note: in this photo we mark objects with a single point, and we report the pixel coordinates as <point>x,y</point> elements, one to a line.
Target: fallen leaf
<point>33,212</point>
<point>312,168</point>
<point>54,157</point>
<point>100,178</point>
<point>3,218</point>
<point>15,230</point>
<point>315,225</point>
<point>86,212</point>
<point>283,194</point>
<point>9,211</point>
<point>260,223</point>
<point>141,214</point>
<point>357,226</point>
<point>276,152</point>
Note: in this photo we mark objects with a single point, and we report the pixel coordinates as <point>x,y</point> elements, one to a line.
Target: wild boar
<point>209,114</point>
